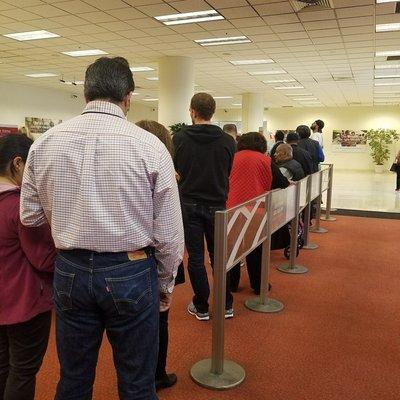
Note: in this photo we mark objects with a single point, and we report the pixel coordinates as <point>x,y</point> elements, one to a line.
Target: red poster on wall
<point>7,129</point>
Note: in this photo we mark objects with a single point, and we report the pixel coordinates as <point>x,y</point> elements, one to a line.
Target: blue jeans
<point>106,291</point>
<point>198,221</point>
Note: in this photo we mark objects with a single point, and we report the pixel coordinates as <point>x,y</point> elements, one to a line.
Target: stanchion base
<point>295,269</point>
<point>332,209</point>
<point>330,219</point>
<point>310,246</point>
<point>232,375</point>
<point>318,230</point>
<point>272,305</point>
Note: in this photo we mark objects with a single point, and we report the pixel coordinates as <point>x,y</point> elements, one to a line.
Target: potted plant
<point>176,127</point>
<point>379,141</point>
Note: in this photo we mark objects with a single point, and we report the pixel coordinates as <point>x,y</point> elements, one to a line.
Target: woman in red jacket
<point>27,262</point>
<point>251,176</point>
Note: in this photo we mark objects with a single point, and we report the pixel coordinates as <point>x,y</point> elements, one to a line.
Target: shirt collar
<point>104,107</point>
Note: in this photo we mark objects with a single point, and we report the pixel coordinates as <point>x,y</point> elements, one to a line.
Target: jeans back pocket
<point>131,294</point>
<point>63,284</point>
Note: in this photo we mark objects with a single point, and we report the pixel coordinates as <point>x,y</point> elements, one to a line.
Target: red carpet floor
<point>336,339</point>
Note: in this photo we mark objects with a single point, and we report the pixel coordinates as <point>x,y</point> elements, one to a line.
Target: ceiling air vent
<point>299,5</point>
<point>393,58</point>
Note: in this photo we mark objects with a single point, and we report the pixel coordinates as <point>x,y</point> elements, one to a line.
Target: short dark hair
<point>204,105</point>
<point>292,137</point>
<point>320,124</point>
<point>12,146</point>
<point>108,78</point>
<point>230,128</point>
<point>158,130</point>
<point>279,136</point>
<point>303,131</point>
<point>252,141</point>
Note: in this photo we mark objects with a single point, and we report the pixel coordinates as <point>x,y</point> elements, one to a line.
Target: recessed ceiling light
<point>189,18</point>
<point>387,76</point>
<point>75,83</point>
<point>298,94</point>
<point>387,94</point>
<point>288,87</point>
<point>252,62</point>
<point>152,78</point>
<point>32,35</point>
<point>387,83</point>
<point>236,104</point>
<point>388,27</point>
<point>223,40</point>
<point>387,66</point>
<point>83,53</point>
<point>280,81</point>
<point>41,75</point>
<point>388,53</point>
<point>141,69</point>
<point>304,98</point>
<point>271,72</point>
<point>222,97</point>
<point>386,1</point>
<point>148,99</point>
<point>135,94</point>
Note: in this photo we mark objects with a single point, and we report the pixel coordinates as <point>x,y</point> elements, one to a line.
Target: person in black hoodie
<point>300,155</point>
<point>203,159</point>
<point>310,145</point>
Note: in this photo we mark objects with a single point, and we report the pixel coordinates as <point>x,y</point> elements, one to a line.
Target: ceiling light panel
<point>271,72</point>
<point>84,53</point>
<point>388,27</point>
<point>222,97</point>
<point>31,35</point>
<point>387,76</point>
<point>223,41</point>
<point>280,81</point>
<point>142,69</point>
<point>41,75</point>
<point>389,53</point>
<point>189,18</point>
<point>386,1</point>
<point>150,99</point>
<point>387,66</point>
<point>252,62</point>
<point>288,87</point>
<point>152,78</point>
<point>387,83</point>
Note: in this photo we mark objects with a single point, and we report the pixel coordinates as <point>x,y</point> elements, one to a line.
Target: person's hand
<point>165,301</point>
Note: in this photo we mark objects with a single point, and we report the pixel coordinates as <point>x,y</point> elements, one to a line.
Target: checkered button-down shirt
<point>105,185</point>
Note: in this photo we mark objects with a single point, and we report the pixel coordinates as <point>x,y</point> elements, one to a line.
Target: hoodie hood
<point>6,189</point>
<point>204,133</point>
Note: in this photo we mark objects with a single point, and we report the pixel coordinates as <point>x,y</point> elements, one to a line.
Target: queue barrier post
<point>263,303</point>
<point>317,228</point>
<point>307,216</point>
<point>217,373</point>
<point>327,216</point>
<point>292,267</point>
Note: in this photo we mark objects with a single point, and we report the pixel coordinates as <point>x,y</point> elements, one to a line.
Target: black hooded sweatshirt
<point>203,159</point>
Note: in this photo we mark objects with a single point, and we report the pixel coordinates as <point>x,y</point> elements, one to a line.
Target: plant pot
<point>379,169</point>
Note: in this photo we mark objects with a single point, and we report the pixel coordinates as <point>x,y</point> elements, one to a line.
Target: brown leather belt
<point>137,255</point>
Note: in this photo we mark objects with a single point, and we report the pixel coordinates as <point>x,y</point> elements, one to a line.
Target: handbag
<point>394,167</point>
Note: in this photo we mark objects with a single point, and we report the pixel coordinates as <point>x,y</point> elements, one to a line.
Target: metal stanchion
<point>292,267</point>
<point>307,217</point>
<point>263,303</point>
<point>218,373</point>
<point>327,216</point>
<point>317,228</point>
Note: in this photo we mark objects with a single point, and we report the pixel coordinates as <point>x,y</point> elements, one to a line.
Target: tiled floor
<point>365,190</point>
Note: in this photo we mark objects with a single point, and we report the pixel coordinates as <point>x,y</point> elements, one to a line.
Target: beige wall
<point>334,118</point>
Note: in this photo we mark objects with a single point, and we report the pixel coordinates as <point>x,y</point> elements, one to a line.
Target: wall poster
<point>36,126</point>
<point>8,129</point>
<point>349,141</point>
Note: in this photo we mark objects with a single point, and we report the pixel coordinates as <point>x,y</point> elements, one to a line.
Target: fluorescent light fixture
<point>223,40</point>
<point>189,18</point>
<point>387,94</point>
<point>387,76</point>
<point>152,78</point>
<point>252,62</point>
<point>288,87</point>
<point>386,1</point>
<point>387,66</point>
<point>141,69</point>
<point>271,72</point>
<point>31,35</point>
<point>237,104</point>
<point>222,97</point>
<point>388,53</point>
<point>280,81</point>
<point>41,75</point>
<point>388,27</point>
<point>150,99</point>
<point>387,83</point>
<point>135,94</point>
<point>75,83</point>
<point>304,98</point>
<point>83,53</point>
<point>299,94</point>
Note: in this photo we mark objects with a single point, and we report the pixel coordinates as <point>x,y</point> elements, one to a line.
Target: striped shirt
<point>105,185</point>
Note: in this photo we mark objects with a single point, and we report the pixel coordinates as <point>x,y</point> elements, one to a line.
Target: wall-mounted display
<point>36,126</point>
<point>8,129</point>
<point>349,141</point>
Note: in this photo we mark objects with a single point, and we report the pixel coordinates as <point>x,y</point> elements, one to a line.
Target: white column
<point>176,88</point>
<point>252,112</point>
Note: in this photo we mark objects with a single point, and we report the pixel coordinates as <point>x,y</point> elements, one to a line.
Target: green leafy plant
<point>379,141</point>
<point>176,127</point>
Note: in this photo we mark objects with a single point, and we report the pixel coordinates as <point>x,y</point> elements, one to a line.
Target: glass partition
<point>315,185</point>
<point>325,179</point>
<point>278,209</point>
<point>290,203</point>
<point>303,192</point>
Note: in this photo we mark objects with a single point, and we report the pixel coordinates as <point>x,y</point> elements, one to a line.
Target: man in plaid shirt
<point>108,190</point>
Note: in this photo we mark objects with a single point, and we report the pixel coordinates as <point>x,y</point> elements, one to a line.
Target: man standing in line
<point>310,145</point>
<point>300,155</point>
<point>203,159</point>
<point>108,190</point>
<point>316,128</point>
<point>279,139</point>
<point>231,130</point>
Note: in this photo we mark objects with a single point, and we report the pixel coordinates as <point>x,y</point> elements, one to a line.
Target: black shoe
<point>166,381</point>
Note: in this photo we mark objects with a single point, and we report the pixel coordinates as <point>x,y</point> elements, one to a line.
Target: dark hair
<point>230,128</point>
<point>252,141</point>
<point>204,105</point>
<point>279,136</point>
<point>320,124</point>
<point>108,78</point>
<point>303,131</point>
<point>292,137</point>
<point>158,130</point>
<point>12,146</point>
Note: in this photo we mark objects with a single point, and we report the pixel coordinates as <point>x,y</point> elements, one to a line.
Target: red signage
<point>7,129</point>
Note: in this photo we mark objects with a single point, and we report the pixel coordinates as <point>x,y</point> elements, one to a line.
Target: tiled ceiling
<point>329,51</point>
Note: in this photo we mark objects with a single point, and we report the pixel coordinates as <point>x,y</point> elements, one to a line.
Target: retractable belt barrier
<point>240,230</point>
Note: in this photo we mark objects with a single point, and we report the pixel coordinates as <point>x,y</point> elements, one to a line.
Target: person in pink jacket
<point>26,271</point>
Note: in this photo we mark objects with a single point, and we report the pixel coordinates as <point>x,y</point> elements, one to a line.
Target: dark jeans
<point>253,261</point>
<point>198,221</point>
<point>163,347</point>
<point>106,291</point>
<point>22,348</point>
<point>398,178</point>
